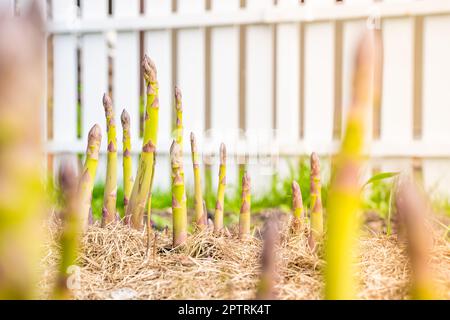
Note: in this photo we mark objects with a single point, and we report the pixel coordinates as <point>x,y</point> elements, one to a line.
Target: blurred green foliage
<point>376,196</point>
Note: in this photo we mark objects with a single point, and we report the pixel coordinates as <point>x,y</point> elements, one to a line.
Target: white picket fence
<point>264,76</point>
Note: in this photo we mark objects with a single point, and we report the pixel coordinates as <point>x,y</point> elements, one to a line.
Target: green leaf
<point>381,176</point>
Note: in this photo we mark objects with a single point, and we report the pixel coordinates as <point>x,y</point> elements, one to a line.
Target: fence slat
<point>270,80</point>
<point>158,45</point>
<point>64,83</point>
<point>225,91</point>
<point>126,77</point>
<point>287,84</point>
<point>126,70</point>
<point>259,95</point>
<point>94,77</point>
<point>319,81</point>
<point>191,78</point>
<point>352,33</point>
<point>397,97</point>
<point>436,97</point>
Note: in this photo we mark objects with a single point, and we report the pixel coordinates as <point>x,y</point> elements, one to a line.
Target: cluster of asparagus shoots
<point>21,177</point>
<point>137,194</point>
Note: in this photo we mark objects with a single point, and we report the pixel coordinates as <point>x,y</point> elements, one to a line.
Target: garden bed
<point>115,264</point>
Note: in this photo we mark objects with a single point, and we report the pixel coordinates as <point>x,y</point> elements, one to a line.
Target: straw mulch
<point>115,264</point>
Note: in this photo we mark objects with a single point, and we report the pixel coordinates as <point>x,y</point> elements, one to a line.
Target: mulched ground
<point>115,264</point>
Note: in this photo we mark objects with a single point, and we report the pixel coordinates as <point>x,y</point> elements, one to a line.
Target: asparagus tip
<point>368,61</point>
<point>295,187</point>
<point>315,163</point>
<point>95,132</point>
<point>246,181</point>
<point>125,118</point>
<point>223,154</point>
<point>107,102</point>
<point>369,48</point>
<point>67,176</point>
<point>175,152</point>
<point>296,195</point>
<point>149,69</point>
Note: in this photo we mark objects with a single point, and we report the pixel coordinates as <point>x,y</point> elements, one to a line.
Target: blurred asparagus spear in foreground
<point>244,216</point>
<point>71,230</point>
<point>88,175</point>
<point>199,219</point>
<point>179,210</point>
<point>141,187</point>
<point>110,193</point>
<point>22,196</point>
<point>344,195</point>
<point>412,209</point>
<point>266,286</point>
<point>127,162</point>
<point>218,213</point>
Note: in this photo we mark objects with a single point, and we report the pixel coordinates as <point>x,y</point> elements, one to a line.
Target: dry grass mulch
<point>114,264</point>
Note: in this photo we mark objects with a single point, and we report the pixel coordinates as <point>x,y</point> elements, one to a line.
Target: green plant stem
<point>179,210</point>
<point>218,213</point>
<point>141,187</point>
<point>110,196</point>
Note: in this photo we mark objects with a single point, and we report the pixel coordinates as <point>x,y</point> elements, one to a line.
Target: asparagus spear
<point>179,118</point>
<point>71,230</point>
<point>412,209</point>
<point>149,206</point>
<point>297,206</point>
<point>22,192</point>
<point>344,195</point>
<point>316,198</point>
<point>141,187</point>
<point>88,175</point>
<point>205,215</point>
<point>110,194</point>
<point>179,210</point>
<point>198,198</point>
<point>266,290</point>
<point>127,162</point>
<point>218,214</point>
<point>244,216</point>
